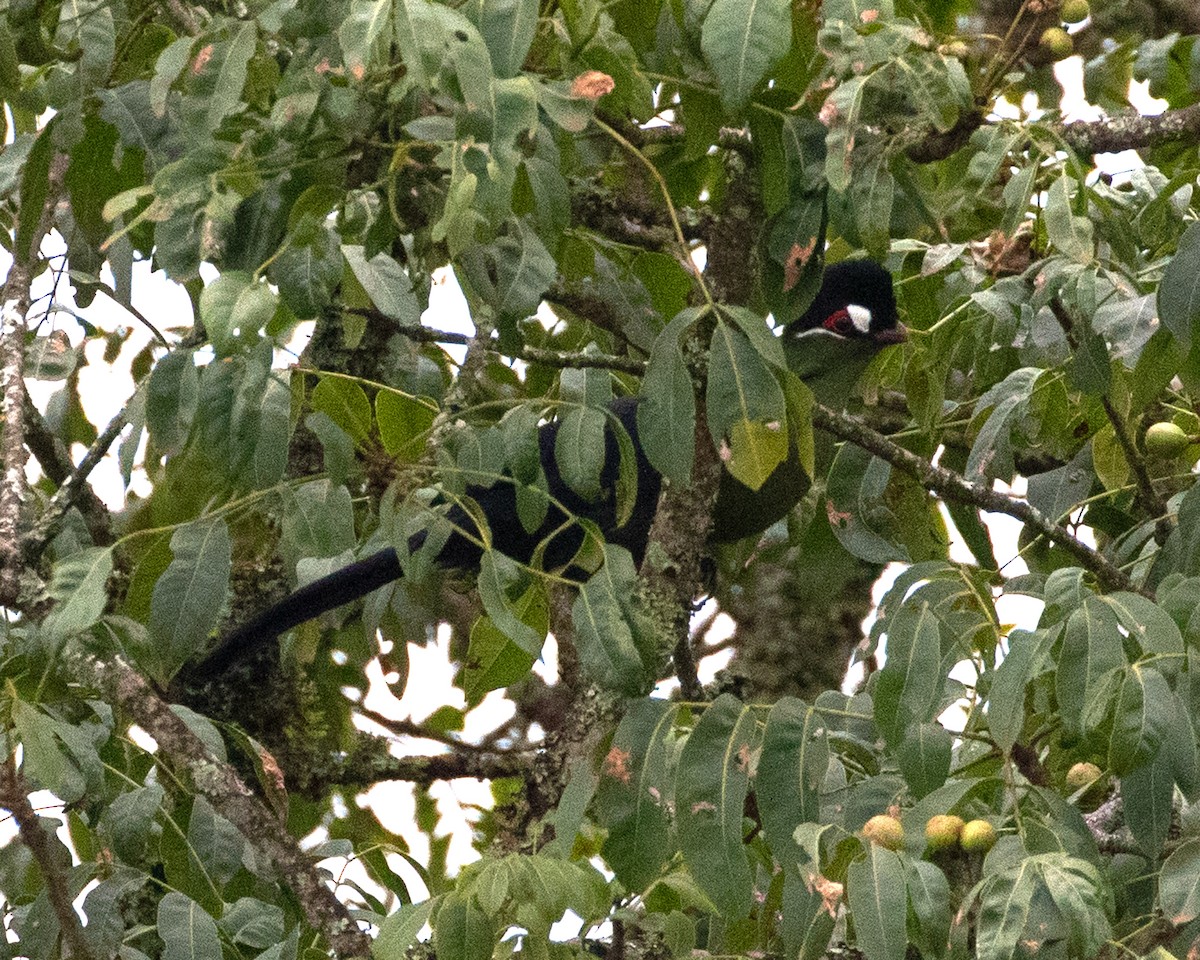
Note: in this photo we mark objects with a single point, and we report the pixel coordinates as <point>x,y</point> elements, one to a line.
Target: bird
<point>852,317</point>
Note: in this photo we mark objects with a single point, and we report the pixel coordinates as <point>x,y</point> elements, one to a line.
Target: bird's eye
<point>852,320</point>
<point>840,323</point>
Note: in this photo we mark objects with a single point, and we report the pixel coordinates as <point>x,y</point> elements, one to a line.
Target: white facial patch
<point>859,316</point>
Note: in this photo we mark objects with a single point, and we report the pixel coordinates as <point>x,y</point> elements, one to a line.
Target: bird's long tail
<point>320,596</point>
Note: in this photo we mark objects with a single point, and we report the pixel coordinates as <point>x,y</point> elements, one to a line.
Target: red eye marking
<point>839,322</point>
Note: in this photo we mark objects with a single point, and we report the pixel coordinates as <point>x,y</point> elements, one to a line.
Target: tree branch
<point>56,464</point>
<point>951,486</point>
<point>71,489</point>
<point>121,685</point>
<point>14,305</point>
<point>14,794</point>
<point>551,358</point>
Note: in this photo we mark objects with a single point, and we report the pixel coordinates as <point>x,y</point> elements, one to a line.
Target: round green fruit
<point>1166,440</point>
<point>978,836</point>
<point>884,830</point>
<point>1076,11</point>
<point>1057,43</point>
<point>942,831</point>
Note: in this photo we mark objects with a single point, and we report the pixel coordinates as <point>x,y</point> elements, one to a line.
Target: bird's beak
<point>897,334</point>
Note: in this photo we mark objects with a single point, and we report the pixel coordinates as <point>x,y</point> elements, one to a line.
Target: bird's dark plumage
<point>852,317</point>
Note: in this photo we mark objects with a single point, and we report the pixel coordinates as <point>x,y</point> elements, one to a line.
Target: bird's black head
<point>856,302</point>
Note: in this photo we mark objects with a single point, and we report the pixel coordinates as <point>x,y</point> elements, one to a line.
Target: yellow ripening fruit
<point>1082,774</point>
<point>1165,440</point>
<point>1057,42</point>
<point>1076,11</point>
<point>884,830</point>
<point>978,836</point>
<point>942,831</point>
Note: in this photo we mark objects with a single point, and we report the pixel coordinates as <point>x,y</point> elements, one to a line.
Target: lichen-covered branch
<point>1133,131</point>
<point>121,685</point>
<point>14,305</point>
<point>14,794</point>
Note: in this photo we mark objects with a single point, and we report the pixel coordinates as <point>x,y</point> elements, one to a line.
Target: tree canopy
<point>633,196</point>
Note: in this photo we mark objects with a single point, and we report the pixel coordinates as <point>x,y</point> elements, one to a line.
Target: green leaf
<point>1149,625</point>
<point>579,450</point>
<point>404,423</point>
<point>44,762</point>
<point>497,576</point>
<point>1091,649</point>
<point>791,770</point>
<point>1142,713</point>
<point>924,757</point>
<point>1179,291</point>
<point>35,186</point>
<point>525,271</point>
<point>666,415</point>
<point>365,35</point>
<point>1079,893</point>
<point>260,424</point>
<point>507,27</point>
<point>755,450</point>
<point>713,779</point>
<point>1091,370</point>
<point>493,660</point>
<point>741,385</point>
<point>1006,701</point>
<point>909,686</point>
<point>221,79</point>
<point>1179,884</point>
<point>872,196</point>
<point>346,404</point>
<point>1108,457</point>
<point>858,510</point>
<point>807,924</point>
<point>399,930</point>
<point>190,596</point>
<point>1004,904</point>
<point>930,899</point>
<point>308,273</point>
<point>844,104</point>
<point>634,792</point>
<point>387,284</point>
<point>876,895</point>
<point>171,400</point>
<point>187,931</point>
<point>128,823</point>
<point>758,332</point>
<point>1072,235</point>
<point>1147,794</point>
<point>742,40</point>
<point>606,642</point>
<point>253,923</point>
<point>79,585</point>
<point>318,521</point>
<point>461,931</point>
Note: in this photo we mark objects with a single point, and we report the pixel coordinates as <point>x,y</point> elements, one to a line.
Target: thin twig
<point>550,358</point>
<point>14,794</point>
<point>1152,503</point>
<point>51,455</point>
<point>71,489</point>
<point>951,486</point>
<point>410,728</point>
